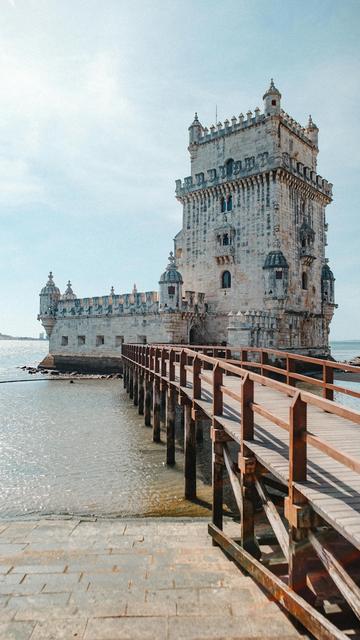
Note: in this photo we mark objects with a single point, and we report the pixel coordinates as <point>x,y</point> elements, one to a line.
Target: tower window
<point>229,167</point>
<point>64,341</point>
<point>119,340</point>
<point>229,203</point>
<point>100,340</point>
<point>223,205</point>
<point>226,280</point>
<point>273,102</point>
<point>225,239</point>
<point>171,290</point>
<point>304,280</point>
<point>278,275</point>
<point>81,340</point>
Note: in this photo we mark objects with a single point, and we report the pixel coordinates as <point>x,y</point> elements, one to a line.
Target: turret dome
<point>50,287</point>
<point>171,275</point>
<point>274,260</point>
<point>272,91</point>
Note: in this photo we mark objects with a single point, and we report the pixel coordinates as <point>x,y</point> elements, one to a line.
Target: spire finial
<point>112,291</point>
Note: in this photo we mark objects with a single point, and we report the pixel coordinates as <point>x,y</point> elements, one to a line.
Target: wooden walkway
<point>303,446</point>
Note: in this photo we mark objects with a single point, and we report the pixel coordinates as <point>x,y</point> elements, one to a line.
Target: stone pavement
<point>127,579</point>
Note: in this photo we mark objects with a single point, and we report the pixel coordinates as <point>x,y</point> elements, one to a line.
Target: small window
<point>119,340</point>
<point>171,290</point>
<point>278,275</point>
<point>223,205</point>
<point>226,280</point>
<point>229,167</point>
<point>229,203</point>
<point>273,102</point>
<point>226,239</point>
<point>81,340</point>
<point>304,280</point>
<point>64,341</point>
<point>142,339</point>
<point>100,340</point>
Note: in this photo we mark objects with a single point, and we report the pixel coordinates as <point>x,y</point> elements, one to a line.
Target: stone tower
<point>253,236</point>
<point>170,287</point>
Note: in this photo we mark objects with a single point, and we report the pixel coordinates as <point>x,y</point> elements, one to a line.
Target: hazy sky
<point>95,101</point>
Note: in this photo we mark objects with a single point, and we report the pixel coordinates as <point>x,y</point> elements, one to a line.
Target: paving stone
<point>54,582</point>
<point>126,629</point>
<point>16,630</point>
<point>164,608</point>
<point>107,580</point>
<point>209,628</point>
<point>59,630</point>
<point>8,549</point>
<point>100,604</point>
<point>40,601</point>
<point>39,568</point>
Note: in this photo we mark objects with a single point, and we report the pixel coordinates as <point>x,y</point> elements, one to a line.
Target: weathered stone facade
<point>250,257</point>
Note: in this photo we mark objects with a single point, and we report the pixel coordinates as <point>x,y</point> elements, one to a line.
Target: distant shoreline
<point>3,337</point>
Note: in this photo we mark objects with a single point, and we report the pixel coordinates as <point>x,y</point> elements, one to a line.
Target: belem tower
<point>248,266</point>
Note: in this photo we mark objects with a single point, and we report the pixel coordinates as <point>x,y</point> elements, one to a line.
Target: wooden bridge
<point>293,452</point>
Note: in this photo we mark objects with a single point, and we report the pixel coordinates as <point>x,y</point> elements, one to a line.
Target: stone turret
<point>69,294</point>
<point>195,130</point>
<point>312,132</point>
<point>272,100</point>
<point>49,298</point>
<point>327,285</point>
<point>170,287</point>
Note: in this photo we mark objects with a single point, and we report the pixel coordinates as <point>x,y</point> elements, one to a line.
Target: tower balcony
<point>306,256</point>
<point>224,254</point>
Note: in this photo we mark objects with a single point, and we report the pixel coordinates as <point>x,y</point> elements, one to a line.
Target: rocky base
<point>82,364</point>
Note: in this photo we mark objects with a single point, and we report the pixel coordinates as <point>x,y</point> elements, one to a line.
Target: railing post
<point>156,410</point>
<point>295,503</point>
<point>183,361</point>
<point>163,363</point>
<point>217,449</point>
<point>196,378</point>
<point>328,378</point>
<point>172,355</point>
<point>264,360</point>
<point>247,466</point>
<point>290,368</point>
<point>190,453</point>
<point>125,374</point>
<point>243,357</point>
<point>170,425</point>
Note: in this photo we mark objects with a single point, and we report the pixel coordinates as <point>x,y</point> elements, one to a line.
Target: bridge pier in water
<point>269,423</point>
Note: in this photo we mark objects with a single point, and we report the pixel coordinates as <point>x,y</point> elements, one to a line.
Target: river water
<point>83,449</point>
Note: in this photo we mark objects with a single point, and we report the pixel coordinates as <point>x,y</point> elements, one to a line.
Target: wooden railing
<point>199,377</point>
<point>291,367</point>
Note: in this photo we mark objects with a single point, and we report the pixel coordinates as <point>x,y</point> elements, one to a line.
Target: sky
<point>96,97</point>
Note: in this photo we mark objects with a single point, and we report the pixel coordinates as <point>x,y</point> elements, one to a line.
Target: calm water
<point>82,448</point>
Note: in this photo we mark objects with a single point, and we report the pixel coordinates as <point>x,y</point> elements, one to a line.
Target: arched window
<point>226,280</point>
<point>223,205</point>
<point>304,280</point>
<point>225,239</point>
<point>229,168</point>
<point>229,203</point>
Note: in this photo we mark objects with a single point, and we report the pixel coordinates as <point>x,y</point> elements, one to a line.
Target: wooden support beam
<point>273,516</point>
<point>125,374</point>
<point>131,383</point>
<point>141,397</point>
<point>147,414</point>
<point>170,426</point>
<point>341,578</point>
<point>328,378</point>
<point>314,622</point>
<point>234,480</point>
<point>136,387</point>
<point>156,410</point>
<point>217,484</point>
<point>190,453</point>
